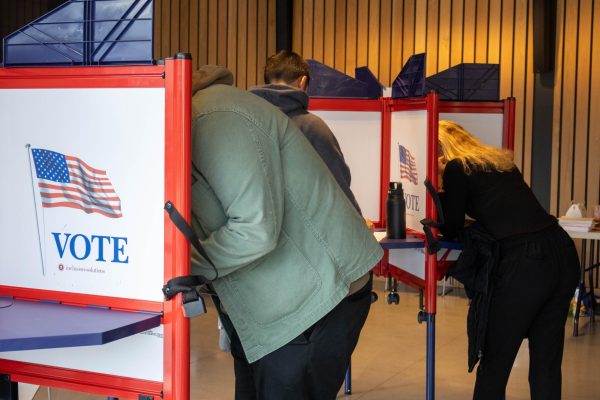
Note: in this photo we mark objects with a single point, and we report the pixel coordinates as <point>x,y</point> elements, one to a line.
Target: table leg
<point>348,380</point>
<point>597,261</point>
<point>581,290</point>
<point>591,277</point>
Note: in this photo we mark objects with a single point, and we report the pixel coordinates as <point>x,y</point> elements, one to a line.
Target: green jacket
<point>285,238</point>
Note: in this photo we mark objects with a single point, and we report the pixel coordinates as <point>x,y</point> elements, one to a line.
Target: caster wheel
<point>374,297</point>
<point>393,298</point>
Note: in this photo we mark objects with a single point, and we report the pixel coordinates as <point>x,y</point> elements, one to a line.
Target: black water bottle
<point>396,212</point>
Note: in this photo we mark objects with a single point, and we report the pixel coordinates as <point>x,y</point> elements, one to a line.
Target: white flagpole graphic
<point>37,200</point>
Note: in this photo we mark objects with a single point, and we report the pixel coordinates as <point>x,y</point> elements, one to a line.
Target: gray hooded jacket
<point>294,103</point>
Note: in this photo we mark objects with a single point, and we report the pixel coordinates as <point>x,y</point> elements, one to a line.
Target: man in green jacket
<point>292,252</point>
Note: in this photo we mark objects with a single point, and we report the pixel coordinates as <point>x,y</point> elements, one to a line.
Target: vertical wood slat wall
<point>383,34</point>
<point>238,34</point>
<point>576,125</point>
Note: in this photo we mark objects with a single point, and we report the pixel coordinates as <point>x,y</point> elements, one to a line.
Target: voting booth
<point>89,157</point>
<point>388,140</point>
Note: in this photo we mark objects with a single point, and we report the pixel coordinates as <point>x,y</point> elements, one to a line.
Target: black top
<point>501,201</point>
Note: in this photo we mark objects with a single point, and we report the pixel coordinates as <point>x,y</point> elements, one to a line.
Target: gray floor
<point>389,362</point>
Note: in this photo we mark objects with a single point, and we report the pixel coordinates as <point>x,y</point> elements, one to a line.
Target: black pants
<point>533,286</point>
<point>310,367</point>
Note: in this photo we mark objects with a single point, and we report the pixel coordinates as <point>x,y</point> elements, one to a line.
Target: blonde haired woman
<point>537,265</point>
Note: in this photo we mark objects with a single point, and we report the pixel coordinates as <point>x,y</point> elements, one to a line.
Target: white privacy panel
<point>82,172</point>
<point>488,128</point>
<point>408,161</point>
<point>359,136</point>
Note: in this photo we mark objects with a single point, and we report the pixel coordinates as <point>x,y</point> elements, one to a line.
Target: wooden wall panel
<point>582,96</point>
<point>431,36</point>
<point>373,41</point>
<point>252,48</point>
<point>362,40</point>
<point>529,97</point>
<point>329,33</point>
<point>457,32</point>
<point>351,35</point>
<point>340,38</point>
<point>232,39</point>
<point>238,34</point>
<point>444,35</point>
<point>261,40</point>
<point>383,34</point>
<point>468,28</point>
<point>408,32</point>
<point>307,27</point>
<point>318,18</point>
<point>397,37</point>
<point>493,39</point>
<point>481,31</point>
<point>593,149</point>
<point>556,112</point>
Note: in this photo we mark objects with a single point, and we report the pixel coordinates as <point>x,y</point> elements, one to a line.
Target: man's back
<point>294,103</point>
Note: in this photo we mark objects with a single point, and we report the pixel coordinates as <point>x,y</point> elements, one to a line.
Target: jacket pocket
<point>277,287</point>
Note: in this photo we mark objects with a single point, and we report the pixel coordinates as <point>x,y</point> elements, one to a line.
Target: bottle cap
<point>395,188</point>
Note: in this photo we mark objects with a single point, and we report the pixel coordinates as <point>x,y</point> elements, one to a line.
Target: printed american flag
<point>67,181</point>
<point>408,166</point>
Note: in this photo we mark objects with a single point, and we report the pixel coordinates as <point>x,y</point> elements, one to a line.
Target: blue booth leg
<point>348,381</point>
<point>430,394</point>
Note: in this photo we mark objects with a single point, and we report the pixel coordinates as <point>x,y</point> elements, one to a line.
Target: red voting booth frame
<point>175,77</point>
<point>434,269</point>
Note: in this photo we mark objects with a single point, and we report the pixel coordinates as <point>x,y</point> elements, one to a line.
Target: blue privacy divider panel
<point>85,32</point>
<point>410,82</point>
<point>467,82</point>
<point>330,83</point>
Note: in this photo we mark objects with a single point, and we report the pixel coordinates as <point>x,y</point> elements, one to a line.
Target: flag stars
<point>50,165</point>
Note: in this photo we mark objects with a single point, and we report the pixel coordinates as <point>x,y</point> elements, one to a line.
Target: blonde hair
<point>455,143</point>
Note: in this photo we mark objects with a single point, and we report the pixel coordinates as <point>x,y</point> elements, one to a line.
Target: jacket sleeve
<point>454,199</point>
<point>241,172</point>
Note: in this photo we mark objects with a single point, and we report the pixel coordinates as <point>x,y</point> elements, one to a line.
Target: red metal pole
<point>178,75</point>
<point>508,127</point>
<point>433,100</point>
<point>386,134</point>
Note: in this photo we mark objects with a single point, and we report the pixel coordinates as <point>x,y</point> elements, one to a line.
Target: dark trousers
<point>310,367</point>
<point>533,286</point>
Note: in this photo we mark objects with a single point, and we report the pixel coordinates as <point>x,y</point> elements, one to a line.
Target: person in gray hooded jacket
<point>286,80</point>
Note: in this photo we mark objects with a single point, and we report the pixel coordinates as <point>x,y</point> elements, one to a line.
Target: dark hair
<point>285,66</point>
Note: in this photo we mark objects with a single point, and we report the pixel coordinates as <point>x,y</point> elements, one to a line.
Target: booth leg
<point>581,286</point>
<point>393,296</point>
<point>430,384</point>
<point>348,381</point>
<point>8,390</point>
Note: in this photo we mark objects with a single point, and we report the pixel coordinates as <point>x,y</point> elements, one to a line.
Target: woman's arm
<point>454,198</point>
